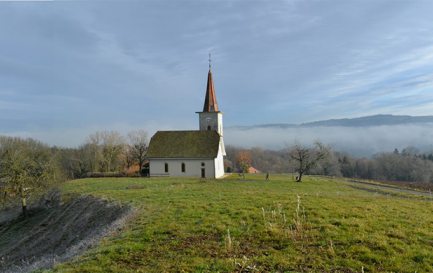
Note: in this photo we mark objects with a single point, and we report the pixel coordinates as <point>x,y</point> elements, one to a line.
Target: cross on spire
<point>210,102</point>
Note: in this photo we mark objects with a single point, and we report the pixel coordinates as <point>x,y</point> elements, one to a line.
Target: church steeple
<point>211,119</point>
<point>210,102</point>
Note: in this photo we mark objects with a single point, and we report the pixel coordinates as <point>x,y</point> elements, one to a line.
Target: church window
<point>208,128</point>
<point>202,164</point>
<point>166,167</point>
<point>183,167</point>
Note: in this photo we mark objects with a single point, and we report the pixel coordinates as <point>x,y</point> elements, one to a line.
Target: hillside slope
<point>55,234</point>
<point>234,225</point>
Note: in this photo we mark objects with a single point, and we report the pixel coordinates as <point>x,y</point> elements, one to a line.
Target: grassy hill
<point>235,225</point>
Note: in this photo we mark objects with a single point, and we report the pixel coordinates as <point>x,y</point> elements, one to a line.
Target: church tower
<point>211,118</point>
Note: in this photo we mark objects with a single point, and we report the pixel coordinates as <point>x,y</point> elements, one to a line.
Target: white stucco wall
<point>214,168</point>
<point>192,167</point>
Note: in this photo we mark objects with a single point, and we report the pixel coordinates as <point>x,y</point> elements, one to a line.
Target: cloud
<point>77,65</point>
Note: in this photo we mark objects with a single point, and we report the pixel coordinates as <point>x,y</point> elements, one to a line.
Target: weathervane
<point>210,61</point>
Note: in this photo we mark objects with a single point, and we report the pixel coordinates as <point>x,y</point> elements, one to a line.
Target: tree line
<point>409,165</point>
<point>28,168</point>
<point>106,153</point>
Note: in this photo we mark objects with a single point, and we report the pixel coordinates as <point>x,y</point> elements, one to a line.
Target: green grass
<point>183,225</point>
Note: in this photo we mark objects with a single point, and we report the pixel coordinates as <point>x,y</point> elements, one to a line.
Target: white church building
<point>198,153</point>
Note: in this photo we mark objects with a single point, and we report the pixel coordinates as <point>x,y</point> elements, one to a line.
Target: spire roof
<point>210,102</point>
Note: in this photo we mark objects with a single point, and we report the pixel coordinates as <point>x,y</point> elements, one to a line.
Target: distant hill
<point>367,121</point>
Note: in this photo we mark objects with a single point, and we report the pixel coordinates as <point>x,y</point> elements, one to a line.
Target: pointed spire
<point>210,102</point>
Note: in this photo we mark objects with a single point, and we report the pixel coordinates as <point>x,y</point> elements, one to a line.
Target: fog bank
<point>359,141</point>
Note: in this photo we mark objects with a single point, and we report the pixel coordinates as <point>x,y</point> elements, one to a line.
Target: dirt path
<point>389,188</point>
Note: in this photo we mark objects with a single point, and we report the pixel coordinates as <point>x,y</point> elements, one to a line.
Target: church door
<point>203,173</point>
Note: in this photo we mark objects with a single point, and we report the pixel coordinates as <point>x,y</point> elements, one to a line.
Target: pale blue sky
<point>70,68</point>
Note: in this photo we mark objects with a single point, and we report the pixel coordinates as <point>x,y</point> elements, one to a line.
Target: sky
<point>69,68</point>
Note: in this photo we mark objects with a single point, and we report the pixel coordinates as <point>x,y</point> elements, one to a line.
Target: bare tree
<point>113,144</point>
<point>138,145</point>
<point>105,148</point>
<point>92,152</point>
<point>127,157</point>
<point>306,157</point>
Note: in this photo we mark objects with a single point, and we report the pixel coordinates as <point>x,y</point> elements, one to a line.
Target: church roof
<point>184,144</point>
<point>210,102</point>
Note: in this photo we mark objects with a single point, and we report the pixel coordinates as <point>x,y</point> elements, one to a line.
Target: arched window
<point>208,127</point>
<point>166,167</point>
<point>183,167</point>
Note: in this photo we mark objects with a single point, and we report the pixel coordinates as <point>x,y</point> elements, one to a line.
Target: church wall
<point>219,164</point>
<point>192,167</point>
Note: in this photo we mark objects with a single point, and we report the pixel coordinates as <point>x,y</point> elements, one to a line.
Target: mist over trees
<point>393,166</point>
<point>361,141</point>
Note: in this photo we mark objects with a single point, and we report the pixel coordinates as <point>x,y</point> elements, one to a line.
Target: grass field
<point>234,225</point>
